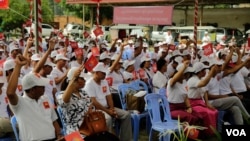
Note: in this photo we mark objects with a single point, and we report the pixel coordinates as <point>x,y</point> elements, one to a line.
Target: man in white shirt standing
<point>169,37</point>
<point>98,90</point>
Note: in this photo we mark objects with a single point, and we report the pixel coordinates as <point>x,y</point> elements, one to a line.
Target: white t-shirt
<point>159,81</point>
<point>98,91</point>
<point>238,83</point>
<point>49,88</point>
<point>138,61</point>
<point>168,39</point>
<point>3,104</point>
<point>170,69</point>
<point>177,93</point>
<point>117,78</point>
<point>35,118</point>
<point>74,64</point>
<point>225,85</point>
<point>56,73</point>
<point>193,90</point>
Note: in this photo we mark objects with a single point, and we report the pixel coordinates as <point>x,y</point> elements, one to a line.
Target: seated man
<point>36,118</point>
<point>98,90</point>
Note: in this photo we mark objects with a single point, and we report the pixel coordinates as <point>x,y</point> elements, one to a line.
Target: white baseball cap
<point>198,66</point>
<point>71,72</point>
<point>13,47</point>
<point>100,67</point>
<point>61,57</point>
<point>36,57</point>
<point>127,75</point>
<point>49,63</point>
<point>53,54</point>
<point>188,69</point>
<point>127,63</point>
<point>145,58</point>
<point>31,80</point>
<point>105,55</point>
<point>9,64</point>
<point>130,41</point>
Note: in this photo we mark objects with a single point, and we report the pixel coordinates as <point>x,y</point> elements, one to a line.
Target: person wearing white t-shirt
<point>196,94</point>
<point>224,102</point>
<point>206,39</point>
<point>78,62</point>
<point>59,72</point>
<point>160,78</point>
<point>168,37</point>
<point>180,106</point>
<point>36,118</point>
<point>5,124</point>
<point>98,90</point>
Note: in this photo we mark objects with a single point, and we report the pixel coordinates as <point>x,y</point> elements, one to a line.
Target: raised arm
<point>12,85</point>
<point>205,81</point>
<point>113,48</point>
<point>178,75</point>
<point>26,49</point>
<point>117,59</point>
<point>71,86</point>
<point>41,63</point>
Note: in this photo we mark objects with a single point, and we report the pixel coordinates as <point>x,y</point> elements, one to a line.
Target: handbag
<point>135,100</point>
<point>94,122</point>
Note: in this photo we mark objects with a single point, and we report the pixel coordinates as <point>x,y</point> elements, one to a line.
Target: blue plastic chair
<point>6,139</point>
<point>122,89</point>
<point>163,91</point>
<point>154,103</point>
<point>14,127</point>
<point>59,110</point>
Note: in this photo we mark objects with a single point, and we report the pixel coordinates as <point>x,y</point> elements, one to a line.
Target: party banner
<point>158,15</point>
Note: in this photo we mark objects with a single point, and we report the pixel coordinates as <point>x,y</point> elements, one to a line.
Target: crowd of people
<point>198,84</point>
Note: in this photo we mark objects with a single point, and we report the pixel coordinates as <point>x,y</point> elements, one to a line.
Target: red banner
<point>143,15</point>
<point>4,4</point>
<point>85,34</point>
<point>208,49</point>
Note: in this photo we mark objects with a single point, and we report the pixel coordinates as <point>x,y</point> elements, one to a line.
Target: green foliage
<point>75,9</point>
<point>19,13</point>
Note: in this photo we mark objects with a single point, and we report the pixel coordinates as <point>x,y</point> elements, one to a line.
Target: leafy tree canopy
<point>19,13</point>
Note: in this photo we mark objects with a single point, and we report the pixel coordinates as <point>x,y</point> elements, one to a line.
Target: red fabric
<point>73,44</point>
<point>4,4</point>
<point>78,52</point>
<point>91,63</point>
<point>95,51</point>
<point>2,36</point>
<point>208,49</point>
<point>98,31</point>
<point>172,47</point>
<point>85,34</point>
<point>74,136</point>
<point>141,73</point>
<point>110,81</point>
<point>209,117</point>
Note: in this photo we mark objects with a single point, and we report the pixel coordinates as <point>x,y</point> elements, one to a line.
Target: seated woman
<point>179,103</point>
<point>196,93</point>
<point>146,73</point>
<point>75,103</point>
<point>160,78</point>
